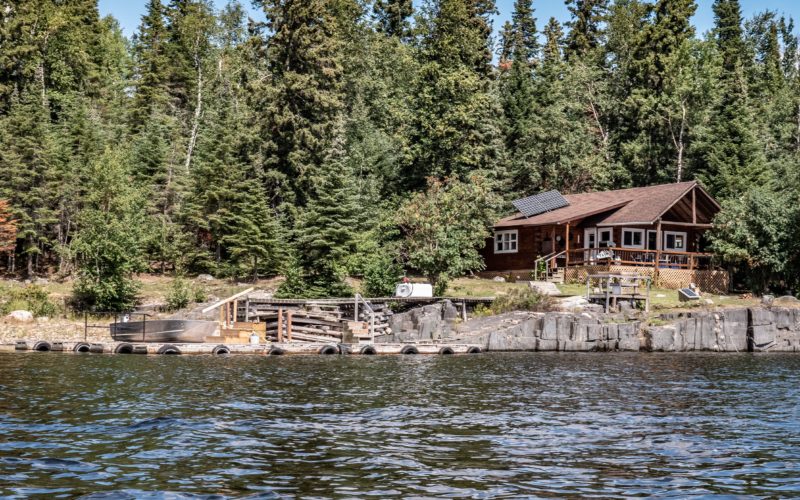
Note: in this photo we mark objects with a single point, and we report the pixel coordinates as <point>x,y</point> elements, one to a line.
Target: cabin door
<point>589,241</point>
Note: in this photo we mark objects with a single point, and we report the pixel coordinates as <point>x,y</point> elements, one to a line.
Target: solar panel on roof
<point>540,203</point>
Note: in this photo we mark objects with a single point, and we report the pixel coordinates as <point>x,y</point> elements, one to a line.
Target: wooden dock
<point>273,349</point>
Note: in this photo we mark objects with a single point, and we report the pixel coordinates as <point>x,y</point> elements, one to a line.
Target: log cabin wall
<point>535,241</point>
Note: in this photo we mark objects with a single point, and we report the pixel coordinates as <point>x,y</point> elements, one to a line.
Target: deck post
<point>658,250</point>
<point>608,291</point>
<point>279,335</point>
<point>235,313</point>
<point>566,255</point>
<point>694,206</point>
<point>553,246</point>
<point>247,309</point>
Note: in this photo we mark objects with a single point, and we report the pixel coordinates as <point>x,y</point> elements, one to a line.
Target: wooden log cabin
<point>656,230</point>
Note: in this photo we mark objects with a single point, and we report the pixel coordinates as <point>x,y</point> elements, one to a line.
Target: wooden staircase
<point>550,273</point>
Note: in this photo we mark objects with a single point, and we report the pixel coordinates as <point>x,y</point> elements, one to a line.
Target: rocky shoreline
<point>759,329</point>
<point>774,329</point>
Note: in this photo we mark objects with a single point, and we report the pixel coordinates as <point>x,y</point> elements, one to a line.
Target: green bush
<point>33,298</point>
<point>200,294</point>
<point>113,293</point>
<point>522,299</point>
<point>179,295</point>
<point>381,275</point>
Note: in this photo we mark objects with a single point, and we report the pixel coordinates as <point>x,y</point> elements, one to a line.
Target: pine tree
<point>585,28</point>
<point>152,65</point>
<point>732,160</point>
<point>304,57</point>
<point>326,229</point>
<point>517,95</point>
<point>456,129</point>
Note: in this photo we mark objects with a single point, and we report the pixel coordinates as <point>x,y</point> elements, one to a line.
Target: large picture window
<point>632,238</point>
<point>505,241</point>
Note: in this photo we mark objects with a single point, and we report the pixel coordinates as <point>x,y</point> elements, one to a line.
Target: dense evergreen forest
<point>345,137</point>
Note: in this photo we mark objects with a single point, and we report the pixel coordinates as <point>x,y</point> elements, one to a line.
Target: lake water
<point>480,426</point>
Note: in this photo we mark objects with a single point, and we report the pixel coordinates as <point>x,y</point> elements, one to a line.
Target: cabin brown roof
<point>642,205</point>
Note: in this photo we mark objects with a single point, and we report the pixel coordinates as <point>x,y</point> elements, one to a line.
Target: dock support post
<point>235,313</point>
<point>289,325</point>
<point>279,335</point>
<point>463,310</point>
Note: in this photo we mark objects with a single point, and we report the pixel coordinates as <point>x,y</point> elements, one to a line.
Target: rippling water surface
<point>481,426</point>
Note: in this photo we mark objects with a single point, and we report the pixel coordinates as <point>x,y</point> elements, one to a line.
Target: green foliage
<point>33,298</point>
<point>180,294</point>
<point>326,231</point>
<point>518,299</point>
<point>244,145</point>
<point>757,234</point>
<point>110,240</point>
<point>445,227</point>
<point>381,275</point>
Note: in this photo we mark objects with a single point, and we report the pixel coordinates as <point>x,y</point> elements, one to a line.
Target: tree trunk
<point>197,113</point>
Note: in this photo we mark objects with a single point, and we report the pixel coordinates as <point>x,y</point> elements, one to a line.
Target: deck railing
<point>664,259</point>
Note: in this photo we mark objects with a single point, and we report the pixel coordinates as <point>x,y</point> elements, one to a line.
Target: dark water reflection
<point>483,426</point>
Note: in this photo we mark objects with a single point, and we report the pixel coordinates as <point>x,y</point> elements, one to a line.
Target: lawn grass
<point>479,287</point>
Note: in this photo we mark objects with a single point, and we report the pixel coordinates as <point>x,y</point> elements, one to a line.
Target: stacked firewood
<point>382,314</point>
<point>320,322</point>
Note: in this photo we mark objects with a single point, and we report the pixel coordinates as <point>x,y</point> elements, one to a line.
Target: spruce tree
<point>151,65</point>
<point>326,229</point>
<point>27,150</point>
<point>585,28</point>
<point>732,159</point>
<point>517,96</point>
<point>660,103</point>
<point>304,57</point>
<point>456,129</point>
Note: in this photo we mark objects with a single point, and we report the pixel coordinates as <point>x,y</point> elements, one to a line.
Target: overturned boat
<point>163,330</point>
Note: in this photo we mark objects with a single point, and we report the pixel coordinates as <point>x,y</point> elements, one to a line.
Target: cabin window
<point>505,241</point>
<point>674,240</point>
<point>605,237</point>
<point>652,240</point>
<point>632,238</point>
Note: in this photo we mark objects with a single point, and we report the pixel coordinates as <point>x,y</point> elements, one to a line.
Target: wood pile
<point>315,322</point>
<point>382,316</point>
